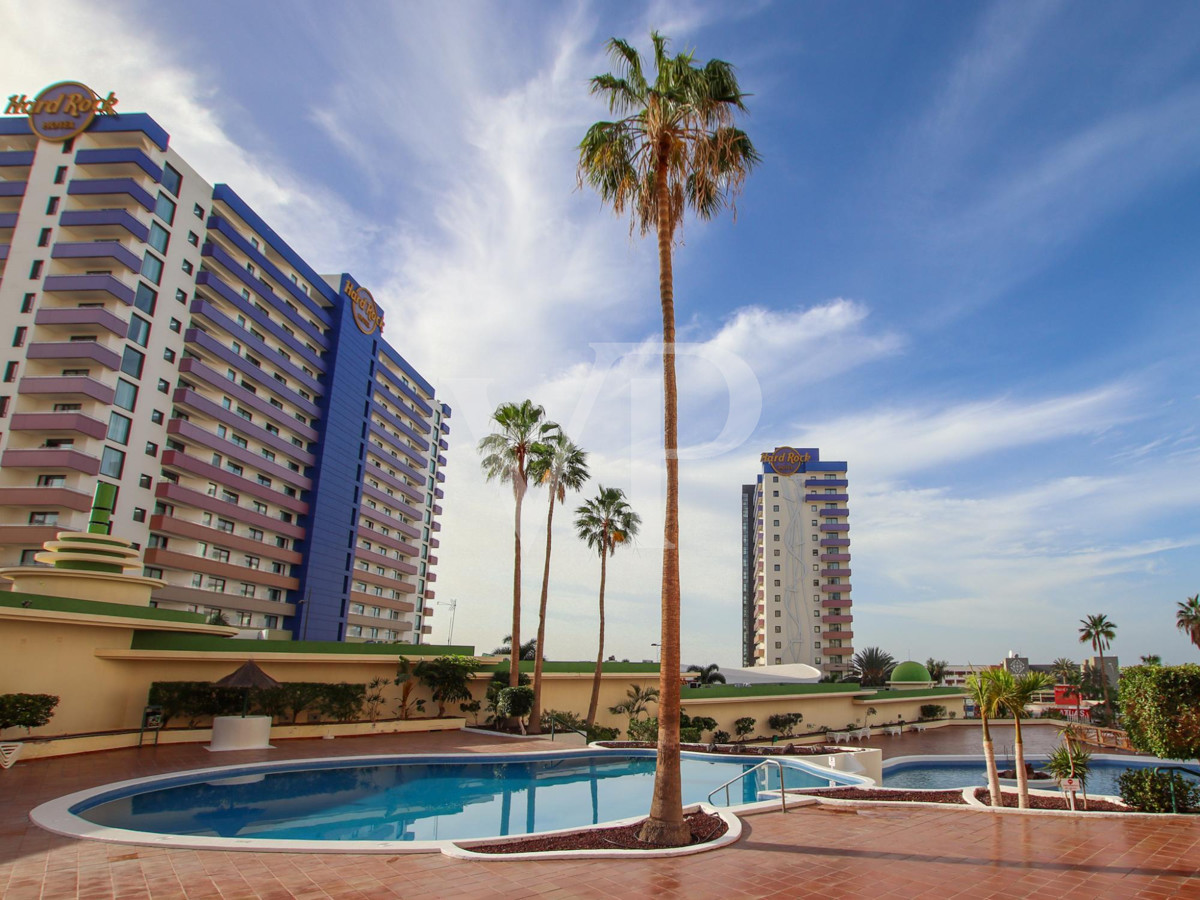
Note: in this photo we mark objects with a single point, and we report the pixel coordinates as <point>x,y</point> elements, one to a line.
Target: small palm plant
<point>637,699</point>
<point>709,674</point>
<point>982,690</point>
<point>1014,694</point>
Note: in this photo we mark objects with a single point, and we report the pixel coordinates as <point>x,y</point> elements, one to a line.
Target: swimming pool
<point>931,773</point>
<point>351,802</point>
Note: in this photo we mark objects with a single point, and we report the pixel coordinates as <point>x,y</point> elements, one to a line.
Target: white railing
<point>750,771</point>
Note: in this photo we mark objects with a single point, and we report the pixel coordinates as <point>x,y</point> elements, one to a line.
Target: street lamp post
<point>657,652</point>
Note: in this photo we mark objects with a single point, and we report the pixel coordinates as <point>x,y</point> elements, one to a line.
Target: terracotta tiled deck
<point>877,853</point>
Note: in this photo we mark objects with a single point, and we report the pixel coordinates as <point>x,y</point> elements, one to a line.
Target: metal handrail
<point>1171,781</point>
<point>752,769</point>
<point>554,721</point>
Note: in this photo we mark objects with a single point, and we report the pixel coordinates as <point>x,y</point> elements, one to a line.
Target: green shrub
<point>744,727</point>
<point>1160,709</point>
<point>721,737</point>
<point>644,729</point>
<point>561,720</point>
<point>342,702</point>
<point>514,702</point>
<point>1149,791</point>
<point>689,735</point>
<point>1059,763</point>
<point>783,723</point>
<point>26,710</point>
<point>932,711</point>
<point>603,733</point>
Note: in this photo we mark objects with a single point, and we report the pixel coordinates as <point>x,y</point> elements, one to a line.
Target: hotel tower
<point>796,563</point>
<point>274,456</point>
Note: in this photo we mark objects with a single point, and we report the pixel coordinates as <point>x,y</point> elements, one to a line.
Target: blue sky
<point>967,265</point>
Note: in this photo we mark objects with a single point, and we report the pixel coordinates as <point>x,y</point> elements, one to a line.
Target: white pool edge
<point>55,815</point>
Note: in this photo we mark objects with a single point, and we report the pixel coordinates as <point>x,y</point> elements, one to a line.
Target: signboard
<point>367,314</point>
<point>785,460</point>
<point>61,111</point>
<point>1070,784</point>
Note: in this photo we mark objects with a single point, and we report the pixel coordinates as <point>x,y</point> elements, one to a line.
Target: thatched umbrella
<point>247,676</point>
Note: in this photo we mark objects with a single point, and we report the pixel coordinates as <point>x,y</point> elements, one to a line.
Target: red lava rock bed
<point>705,828</point>
<point>951,796</point>
<point>1059,803</point>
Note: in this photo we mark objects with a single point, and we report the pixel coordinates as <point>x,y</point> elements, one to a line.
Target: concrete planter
<point>240,733</point>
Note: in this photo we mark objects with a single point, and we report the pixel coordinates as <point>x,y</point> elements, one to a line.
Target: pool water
<point>407,801</point>
<point>932,775</point>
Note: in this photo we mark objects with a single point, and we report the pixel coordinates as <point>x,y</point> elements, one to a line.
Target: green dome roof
<point>910,672</point>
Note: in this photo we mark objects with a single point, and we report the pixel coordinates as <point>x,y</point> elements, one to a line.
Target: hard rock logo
<point>61,111</point>
<point>367,314</point>
<point>786,460</point>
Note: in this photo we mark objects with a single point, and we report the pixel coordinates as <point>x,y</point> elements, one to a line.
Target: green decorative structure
<point>910,674</point>
<point>88,565</point>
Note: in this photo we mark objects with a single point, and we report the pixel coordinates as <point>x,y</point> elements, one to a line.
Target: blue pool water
<point>931,775</point>
<point>405,801</point>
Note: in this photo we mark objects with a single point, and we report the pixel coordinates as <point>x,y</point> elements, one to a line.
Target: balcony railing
<point>89,286</point>
<point>50,458</point>
<point>82,351</point>
<point>71,317</point>
<point>104,187</point>
<point>66,385</point>
<point>826,498</point>
<point>835,542</point>
<point>104,222</point>
<point>88,250</point>
<point>59,421</point>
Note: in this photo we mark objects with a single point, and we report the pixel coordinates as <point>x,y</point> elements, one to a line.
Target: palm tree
<point>506,459</point>
<point>560,466</point>
<point>603,523</point>
<point>708,674</point>
<point>1014,694</point>
<point>1098,630</point>
<point>873,666</point>
<point>528,649</point>
<point>937,669</point>
<point>982,689</point>
<point>1152,659</point>
<point>637,698</point>
<point>1187,618</point>
<point>1064,669</point>
<point>674,147</point>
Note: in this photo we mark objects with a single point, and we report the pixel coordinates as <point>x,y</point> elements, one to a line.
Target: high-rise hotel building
<point>796,563</point>
<point>276,458</point>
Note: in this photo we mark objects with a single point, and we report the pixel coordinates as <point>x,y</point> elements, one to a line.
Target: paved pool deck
<point>811,852</point>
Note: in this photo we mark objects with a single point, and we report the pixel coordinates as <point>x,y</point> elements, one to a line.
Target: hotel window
<point>778,629</point>
<point>778,644</point>
<point>169,355</point>
<point>152,267</point>
<point>814,521</point>
<point>139,514</point>
<point>176,326</point>
<point>778,612</point>
<point>51,206</point>
<point>251,562</point>
<point>188,267</point>
<point>145,481</point>
<point>132,362</point>
<point>256,534</point>
<point>816,629</point>
<point>816,537</point>
<point>215,584</point>
<point>159,238</point>
<point>171,179</point>
<point>27,303</point>
<point>19,336</point>
<point>10,371</point>
<point>51,480</point>
<point>112,463</point>
<point>151,448</point>
<point>43,518</point>
<point>193,239</point>
<point>817,645</point>
<point>151,572</point>
<point>164,208</point>
<point>774,493</point>
<point>225,525</point>
<point>776,552</point>
<point>198,211</point>
<point>44,238</point>
<point>247,591</point>
<point>164,386</point>
<point>118,428</point>
<point>139,330</point>
<point>146,298</point>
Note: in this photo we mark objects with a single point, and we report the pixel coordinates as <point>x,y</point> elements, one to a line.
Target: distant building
<point>796,605</point>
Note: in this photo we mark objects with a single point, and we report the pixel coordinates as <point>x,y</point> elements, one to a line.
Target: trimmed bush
<point>643,729</point>
<point>932,711</point>
<point>744,727</point>
<point>1160,709</point>
<point>1149,791</point>
<point>196,701</point>
<point>783,723</point>
<point>721,737</point>
<point>26,710</point>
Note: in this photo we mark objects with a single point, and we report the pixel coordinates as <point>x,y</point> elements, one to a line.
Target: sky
<point>967,265</point>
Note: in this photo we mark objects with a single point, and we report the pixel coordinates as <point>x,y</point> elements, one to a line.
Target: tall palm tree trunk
<point>535,711</point>
<point>595,702</point>
<point>989,757</point>
<point>1104,683</point>
<point>1019,764</point>
<point>666,824</point>
<point>514,672</point>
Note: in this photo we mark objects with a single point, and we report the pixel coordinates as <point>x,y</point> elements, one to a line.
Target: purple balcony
<point>835,557</point>
<point>835,526</point>
<point>59,421</point>
<point>71,317</point>
<point>66,385</point>
<point>104,222</point>
<point>837,620</point>
<point>12,188</point>
<point>835,573</point>
<point>835,542</point>
<point>4,248</point>
<point>826,498</point>
<point>88,286</point>
<point>16,158</point>
<point>50,458</point>
<point>81,351</point>
<point>835,588</point>
<point>835,511</point>
<point>825,482</point>
<point>8,220</point>
<point>118,160</point>
<point>104,250</point>
<point>836,604</point>
<point>104,187</point>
